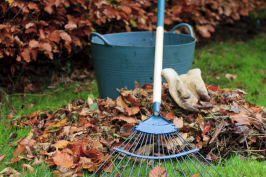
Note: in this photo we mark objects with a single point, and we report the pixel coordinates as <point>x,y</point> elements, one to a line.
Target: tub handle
<point>101,37</point>
<point>185,25</point>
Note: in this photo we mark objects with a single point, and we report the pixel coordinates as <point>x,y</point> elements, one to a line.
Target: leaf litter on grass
<point>81,134</point>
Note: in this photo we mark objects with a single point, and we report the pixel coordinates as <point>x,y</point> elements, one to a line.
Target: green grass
<point>215,60</point>
<point>246,60</point>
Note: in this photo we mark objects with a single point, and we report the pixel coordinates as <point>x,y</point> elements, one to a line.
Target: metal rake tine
<point>181,156</point>
<point>169,153</point>
<point>143,154</point>
<point>194,155</point>
<point>118,156</point>
<point>130,156</point>
<point>202,157</point>
<point>210,164</point>
<point>159,149</point>
<point>187,155</point>
<point>153,152</point>
<point>147,159</point>
<point>137,154</point>
<point>176,157</point>
<point>164,156</point>
<point>133,134</point>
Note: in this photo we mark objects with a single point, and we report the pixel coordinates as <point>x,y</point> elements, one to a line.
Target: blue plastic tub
<point>120,59</point>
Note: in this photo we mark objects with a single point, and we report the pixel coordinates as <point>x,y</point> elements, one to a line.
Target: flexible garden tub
<point>120,59</point>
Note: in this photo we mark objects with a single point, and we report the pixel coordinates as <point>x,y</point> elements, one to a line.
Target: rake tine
<point>187,155</point>
<point>130,156</point>
<point>143,154</point>
<point>147,159</point>
<point>169,153</point>
<point>137,154</point>
<point>164,155</point>
<point>177,158</point>
<point>132,135</point>
<point>210,164</point>
<point>202,157</point>
<point>153,152</point>
<point>181,157</point>
<point>118,156</point>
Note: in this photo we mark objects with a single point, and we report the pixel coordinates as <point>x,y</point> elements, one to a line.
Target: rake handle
<point>157,85</point>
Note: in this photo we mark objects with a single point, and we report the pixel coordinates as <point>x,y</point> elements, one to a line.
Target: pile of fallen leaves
<point>81,134</point>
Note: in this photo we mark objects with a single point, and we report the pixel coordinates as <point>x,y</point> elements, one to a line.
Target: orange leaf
<point>54,36</point>
<point>132,99</point>
<point>20,150</point>
<point>203,30</point>
<point>63,159</point>
<point>157,171</point>
<point>15,160</point>
<point>135,110</point>
<point>254,109</point>
<point>110,12</point>
<point>71,25</point>
<point>30,25</point>
<point>241,118</point>
<point>26,55</point>
<point>49,9</point>
<point>2,157</point>
<point>32,5</point>
<point>126,118</point>
<point>65,36</point>
<point>87,31</point>
<point>121,103</point>
<point>126,9</point>
<point>46,46</point>
<point>33,43</point>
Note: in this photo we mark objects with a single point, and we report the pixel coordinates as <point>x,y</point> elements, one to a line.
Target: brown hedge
<point>61,27</point>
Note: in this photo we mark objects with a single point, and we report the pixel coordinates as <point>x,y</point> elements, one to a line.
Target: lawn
<point>245,60</point>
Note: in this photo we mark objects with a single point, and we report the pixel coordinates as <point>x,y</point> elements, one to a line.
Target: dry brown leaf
<point>65,36</point>
<point>135,110</point>
<point>231,76</point>
<point>128,119</point>
<point>9,171</point>
<point>57,173</point>
<point>178,122</point>
<point>61,144</point>
<point>157,172</point>
<point>27,167</point>
<point>63,159</point>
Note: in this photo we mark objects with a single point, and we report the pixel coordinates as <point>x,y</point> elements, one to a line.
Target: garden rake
<point>156,141</point>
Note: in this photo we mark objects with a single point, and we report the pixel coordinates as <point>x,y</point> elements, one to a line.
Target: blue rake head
<point>156,141</point>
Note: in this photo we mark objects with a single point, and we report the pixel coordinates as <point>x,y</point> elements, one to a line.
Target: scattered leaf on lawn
<point>230,76</point>
<point>2,157</point>
<point>27,167</point>
<point>10,171</point>
<point>157,172</point>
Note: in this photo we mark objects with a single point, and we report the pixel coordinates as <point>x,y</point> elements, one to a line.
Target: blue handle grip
<point>185,25</point>
<point>99,36</point>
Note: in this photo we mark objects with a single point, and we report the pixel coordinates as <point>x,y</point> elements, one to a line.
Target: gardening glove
<point>187,89</point>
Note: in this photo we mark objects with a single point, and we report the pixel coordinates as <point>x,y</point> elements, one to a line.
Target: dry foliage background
<point>44,30</point>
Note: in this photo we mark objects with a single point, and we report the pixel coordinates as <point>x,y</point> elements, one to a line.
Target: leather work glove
<point>187,89</point>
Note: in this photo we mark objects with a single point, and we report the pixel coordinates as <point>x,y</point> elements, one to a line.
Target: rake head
<point>156,143</point>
